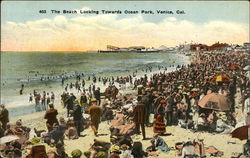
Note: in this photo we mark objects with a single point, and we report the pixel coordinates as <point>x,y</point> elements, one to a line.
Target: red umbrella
<point>233,67</point>
<point>240,133</point>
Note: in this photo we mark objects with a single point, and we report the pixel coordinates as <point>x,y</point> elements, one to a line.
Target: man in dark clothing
<point>64,96</point>
<point>139,117</point>
<point>169,110</point>
<point>43,101</point>
<point>83,99</point>
<point>114,92</point>
<point>77,117</point>
<point>107,92</point>
<point>4,116</point>
<point>50,115</point>
<point>97,95</point>
<point>56,134</point>
<point>70,103</point>
<point>145,101</point>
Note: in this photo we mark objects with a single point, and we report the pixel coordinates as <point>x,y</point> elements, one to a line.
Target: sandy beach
<point>222,142</point>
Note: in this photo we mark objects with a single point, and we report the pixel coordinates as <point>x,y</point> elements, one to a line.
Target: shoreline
<point>20,102</point>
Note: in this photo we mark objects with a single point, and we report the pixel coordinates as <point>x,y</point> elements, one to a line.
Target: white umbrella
<point>8,138</point>
<point>247,68</point>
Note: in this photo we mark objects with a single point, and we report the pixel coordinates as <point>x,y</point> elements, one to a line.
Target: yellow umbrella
<point>221,78</point>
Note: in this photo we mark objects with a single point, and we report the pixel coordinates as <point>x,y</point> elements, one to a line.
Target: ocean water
<point>28,68</point>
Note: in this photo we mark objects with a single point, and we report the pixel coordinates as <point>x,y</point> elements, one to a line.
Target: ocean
<point>19,68</point>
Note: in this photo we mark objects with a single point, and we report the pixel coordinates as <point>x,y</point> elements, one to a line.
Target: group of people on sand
<point>161,100</point>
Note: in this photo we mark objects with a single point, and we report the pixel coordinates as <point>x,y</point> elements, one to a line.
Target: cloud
<point>96,31</point>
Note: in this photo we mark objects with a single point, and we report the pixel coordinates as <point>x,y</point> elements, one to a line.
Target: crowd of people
<point>161,100</point>
<point>41,101</point>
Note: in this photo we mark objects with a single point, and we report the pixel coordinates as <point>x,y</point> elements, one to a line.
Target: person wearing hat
<point>169,108</point>
<point>70,103</point>
<point>159,125</point>
<point>62,124</point>
<point>83,99</point>
<point>95,112</point>
<point>139,117</point>
<point>114,92</point>
<point>4,116</point>
<point>56,135</point>
<point>50,115</point>
<point>97,95</point>
<point>107,92</point>
<point>77,118</point>
<point>146,100</point>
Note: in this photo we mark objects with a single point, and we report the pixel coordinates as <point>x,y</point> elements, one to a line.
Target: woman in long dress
<point>159,124</point>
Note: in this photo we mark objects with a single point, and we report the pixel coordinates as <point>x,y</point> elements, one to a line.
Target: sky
<point>25,28</point>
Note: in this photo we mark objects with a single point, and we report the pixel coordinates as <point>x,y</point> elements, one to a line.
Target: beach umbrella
<point>233,67</point>
<point>241,133</point>
<point>247,68</point>
<point>8,138</point>
<point>221,78</point>
<point>215,101</point>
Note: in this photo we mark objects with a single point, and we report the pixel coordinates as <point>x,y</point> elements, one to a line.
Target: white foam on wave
<point>153,61</point>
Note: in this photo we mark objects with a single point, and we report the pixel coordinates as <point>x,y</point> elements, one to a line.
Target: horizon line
<point>46,51</point>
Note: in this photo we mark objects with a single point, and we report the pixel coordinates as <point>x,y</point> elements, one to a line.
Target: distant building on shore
<point>197,47</point>
<point>136,49</point>
<point>204,47</point>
